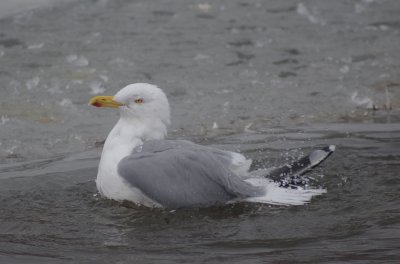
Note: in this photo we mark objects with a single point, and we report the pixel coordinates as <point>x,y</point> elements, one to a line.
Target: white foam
<point>8,8</point>
<point>36,46</point>
<point>4,119</point>
<point>362,101</point>
<point>76,60</point>
<point>345,69</point>
<point>32,83</point>
<point>96,87</point>
<point>204,7</point>
<point>199,57</point>
<point>304,11</point>
<point>65,102</point>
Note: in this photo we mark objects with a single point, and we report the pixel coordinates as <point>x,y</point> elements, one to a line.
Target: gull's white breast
<point>109,183</point>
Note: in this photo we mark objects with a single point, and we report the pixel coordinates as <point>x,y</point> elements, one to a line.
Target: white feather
<point>282,196</point>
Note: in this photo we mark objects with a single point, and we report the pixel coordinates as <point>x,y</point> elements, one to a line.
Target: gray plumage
<point>183,174</point>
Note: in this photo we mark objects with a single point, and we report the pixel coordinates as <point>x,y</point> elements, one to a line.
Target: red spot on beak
<point>97,104</point>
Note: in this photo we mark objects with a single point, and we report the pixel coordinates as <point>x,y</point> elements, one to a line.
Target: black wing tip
<point>293,178</point>
<point>329,148</point>
<point>319,155</point>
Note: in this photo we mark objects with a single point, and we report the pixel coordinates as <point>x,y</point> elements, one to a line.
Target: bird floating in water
<point>139,165</point>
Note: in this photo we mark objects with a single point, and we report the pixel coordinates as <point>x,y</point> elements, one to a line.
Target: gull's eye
<point>139,101</point>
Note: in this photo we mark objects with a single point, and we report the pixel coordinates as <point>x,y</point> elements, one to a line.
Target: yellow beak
<point>104,101</point>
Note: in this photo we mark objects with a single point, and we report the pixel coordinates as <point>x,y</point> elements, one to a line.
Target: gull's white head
<point>138,101</point>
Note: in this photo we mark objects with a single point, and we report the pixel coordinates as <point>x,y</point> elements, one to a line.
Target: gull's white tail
<point>284,185</point>
<point>282,196</point>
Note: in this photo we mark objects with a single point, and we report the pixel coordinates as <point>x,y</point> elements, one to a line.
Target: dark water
<point>51,213</point>
<point>271,79</point>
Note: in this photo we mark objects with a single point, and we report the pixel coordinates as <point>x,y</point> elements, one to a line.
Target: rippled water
<point>51,212</point>
<point>269,79</point>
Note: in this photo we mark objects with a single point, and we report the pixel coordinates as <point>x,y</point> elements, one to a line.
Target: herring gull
<point>137,164</point>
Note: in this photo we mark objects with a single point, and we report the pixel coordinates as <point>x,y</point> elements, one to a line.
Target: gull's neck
<point>130,133</point>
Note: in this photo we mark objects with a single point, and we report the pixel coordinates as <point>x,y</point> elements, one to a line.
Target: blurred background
<point>229,65</point>
<point>271,79</point>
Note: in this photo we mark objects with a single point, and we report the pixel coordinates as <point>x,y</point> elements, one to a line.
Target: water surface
<point>272,80</point>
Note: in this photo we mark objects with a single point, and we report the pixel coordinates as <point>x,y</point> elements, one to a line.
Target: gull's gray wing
<point>183,174</point>
<point>236,162</point>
